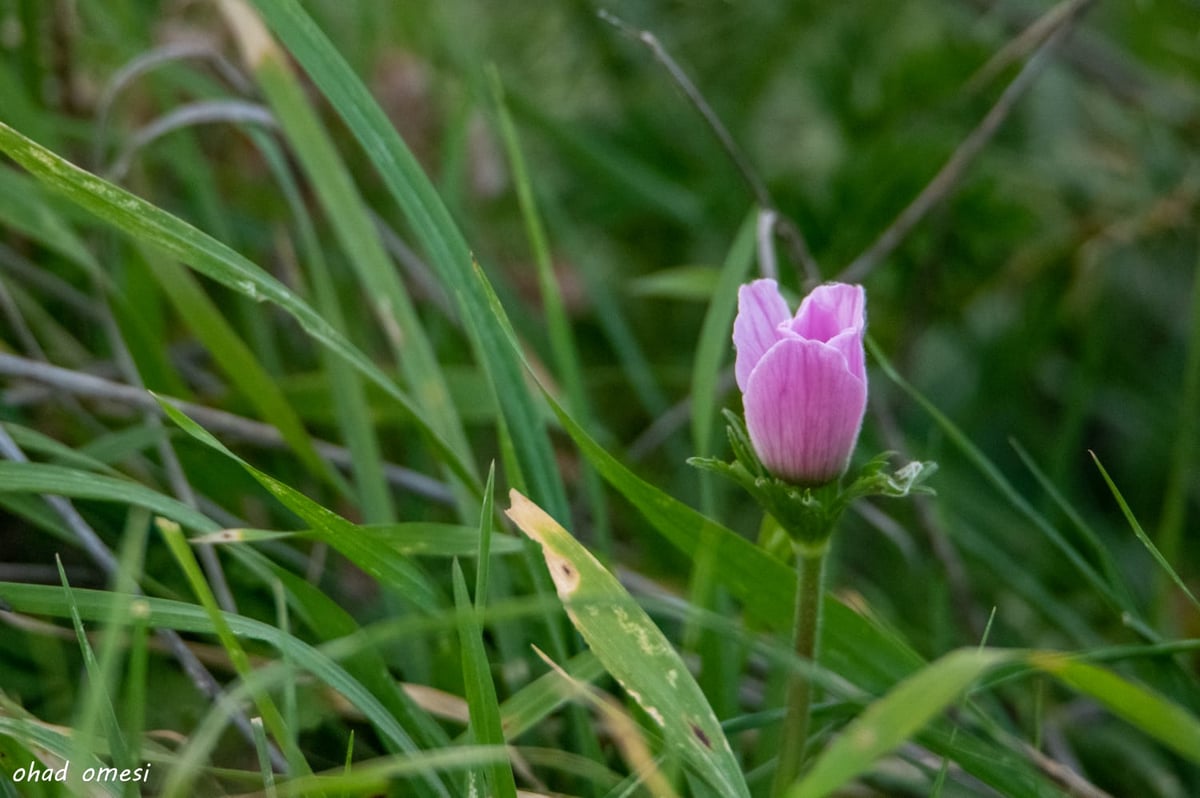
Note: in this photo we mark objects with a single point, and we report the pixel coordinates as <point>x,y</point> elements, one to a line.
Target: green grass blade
<point>352,225</point>
<point>94,605</point>
<point>714,345</point>
<point>633,650</point>
<point>891,720</point>
<point>269,713</point>
<point>24,209</point>
<point>1168,723</point>
<point>97,705</point>
<point>536,700</point>
<point>239,364</point>
<point>483,563</point>
<point>435,228</point>
<point>149,224</point>
<point>284,622</point>
<point>481,690</point>
<point>394,571</point>
<point>416,538</point>
<point>33,442</point>
<point>1142,536</point>
<point>69,482</point>
<point>264,757</point>
<point>352,412</point>
<point>993,474</point>
<point>567,361</point>
<point>1108,565</point>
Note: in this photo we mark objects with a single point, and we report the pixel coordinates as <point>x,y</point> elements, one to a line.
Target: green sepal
<point>809,513</point>
<point>875,479</point>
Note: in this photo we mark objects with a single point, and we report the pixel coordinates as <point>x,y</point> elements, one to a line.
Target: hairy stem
<point>810,569</point>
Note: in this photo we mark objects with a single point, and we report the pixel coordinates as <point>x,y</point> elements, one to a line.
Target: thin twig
<point>150,61</point>
<point>244,429</point>
<point>952,171</point>
<point>1018,47</point>
<point>1066,777</point>
<point>103,556</point>
<point>201,112</point>
<point>1094,59</point>
<point>785,227</point>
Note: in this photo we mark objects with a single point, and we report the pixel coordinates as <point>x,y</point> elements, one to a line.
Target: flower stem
<point>810,568</point>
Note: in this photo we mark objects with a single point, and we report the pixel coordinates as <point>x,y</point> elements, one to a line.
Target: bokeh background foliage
<point>329,326</point>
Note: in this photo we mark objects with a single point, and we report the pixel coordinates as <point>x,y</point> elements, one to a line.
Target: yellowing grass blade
<point>633,650</point>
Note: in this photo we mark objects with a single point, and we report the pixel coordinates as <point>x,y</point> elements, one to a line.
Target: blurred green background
<point>1049,300</point>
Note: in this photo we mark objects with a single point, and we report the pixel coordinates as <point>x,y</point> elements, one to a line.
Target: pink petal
<point>830,309</point>
<point>804,409</point>
<point>850,344</point>
<point>761,311</point>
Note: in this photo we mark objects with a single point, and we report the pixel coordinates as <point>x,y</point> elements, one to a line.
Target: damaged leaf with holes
<point>633,650</point>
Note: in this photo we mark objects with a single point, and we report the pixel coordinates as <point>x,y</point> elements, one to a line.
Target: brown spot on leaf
<point>701,736</point>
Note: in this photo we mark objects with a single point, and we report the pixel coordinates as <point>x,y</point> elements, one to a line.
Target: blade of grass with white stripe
<point>388,566</point>
<point>633,650</point>
<point>481,691</point>
<point>147,223</point>
<point>448,252</point>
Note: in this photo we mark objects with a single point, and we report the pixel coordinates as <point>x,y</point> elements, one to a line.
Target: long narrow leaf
<point>435,228</point>
<point>481,690</point>
<point>395,571</point>
<point>633,650</point>
<point>147,223</point>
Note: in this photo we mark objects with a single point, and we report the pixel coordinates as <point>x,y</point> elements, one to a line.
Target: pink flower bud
<point>803,379</point>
